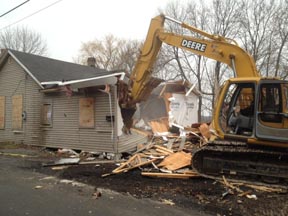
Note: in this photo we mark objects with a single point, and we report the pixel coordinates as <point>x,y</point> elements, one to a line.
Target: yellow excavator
<point>251,114</point>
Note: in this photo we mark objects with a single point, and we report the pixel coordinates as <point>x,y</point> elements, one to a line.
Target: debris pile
<point>167,156</point>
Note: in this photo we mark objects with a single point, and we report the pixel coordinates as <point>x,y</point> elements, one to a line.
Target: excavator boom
<point>214,47</point>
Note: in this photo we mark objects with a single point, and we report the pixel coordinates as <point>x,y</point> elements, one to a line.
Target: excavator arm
<point>214,47</point>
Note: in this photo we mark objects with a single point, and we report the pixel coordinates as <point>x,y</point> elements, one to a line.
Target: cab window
<point>271,103</point>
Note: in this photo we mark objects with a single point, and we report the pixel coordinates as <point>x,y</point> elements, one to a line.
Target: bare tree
<point>23,39</point>
<point>175,62</point>
<point>110,53</point>
<point>222,19</point>
<point>257,32</point>
<point>259,26</point>
<point>280,21</point>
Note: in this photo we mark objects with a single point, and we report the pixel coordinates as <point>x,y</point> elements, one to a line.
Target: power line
<point>36,12</point>
<point>14,8</point>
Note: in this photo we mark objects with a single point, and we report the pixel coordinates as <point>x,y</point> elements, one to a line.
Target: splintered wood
<point>160,125</point>
<point>160,162</point>
<point>165,165</point>
<point>168,157</point>
<point>134,162</point>
<point>170,175</point>
<point>176,161</point>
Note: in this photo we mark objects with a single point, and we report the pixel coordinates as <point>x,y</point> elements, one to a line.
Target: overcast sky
<point>67,23</point>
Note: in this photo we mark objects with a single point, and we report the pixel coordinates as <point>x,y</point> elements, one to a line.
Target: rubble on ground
<point>167,155</point>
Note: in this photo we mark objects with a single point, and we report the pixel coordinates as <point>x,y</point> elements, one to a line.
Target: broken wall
<point>183,109</point>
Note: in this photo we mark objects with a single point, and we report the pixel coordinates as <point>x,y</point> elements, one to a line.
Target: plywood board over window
<point>86,113</point>
<point>2,112</point>
<point>17,109</point>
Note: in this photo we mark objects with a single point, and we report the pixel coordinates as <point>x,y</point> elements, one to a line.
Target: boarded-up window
<point>86,113</point>
<point>2,112</point>
<point>17,106</point>
<point>46,114</point>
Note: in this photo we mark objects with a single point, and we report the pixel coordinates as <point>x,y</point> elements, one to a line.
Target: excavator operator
<point>242,111</point>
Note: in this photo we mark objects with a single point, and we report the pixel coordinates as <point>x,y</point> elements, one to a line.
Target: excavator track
<point>241,162</point>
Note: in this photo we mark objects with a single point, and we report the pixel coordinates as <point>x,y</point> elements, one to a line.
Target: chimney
<point>91,61</point>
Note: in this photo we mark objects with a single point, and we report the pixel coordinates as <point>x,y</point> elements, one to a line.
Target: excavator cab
<point>255,109</point>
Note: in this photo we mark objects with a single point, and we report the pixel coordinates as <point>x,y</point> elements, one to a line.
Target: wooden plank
<point>204,130</point>
<point>139,165</point>
<point>159,125</point>
<point>17,106</point>
<point>163,152</point>
<point>125,165</point>
<point>86,113</point>
<point>2,112</point>
<point>176,161</point>
<point>97,162</point>
<point>156,154</point>
<point>133,162</point>
<point>164,149</point>
<point>170,175</point>
<point>186,171</point>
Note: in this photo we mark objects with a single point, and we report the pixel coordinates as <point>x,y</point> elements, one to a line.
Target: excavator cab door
<point>272,111</point>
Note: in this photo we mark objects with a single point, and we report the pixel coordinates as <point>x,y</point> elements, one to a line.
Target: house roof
<point>44,70</point>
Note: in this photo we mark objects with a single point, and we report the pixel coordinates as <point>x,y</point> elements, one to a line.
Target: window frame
<point>46,121</point>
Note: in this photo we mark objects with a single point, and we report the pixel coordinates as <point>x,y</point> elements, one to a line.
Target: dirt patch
<point>202,194</point>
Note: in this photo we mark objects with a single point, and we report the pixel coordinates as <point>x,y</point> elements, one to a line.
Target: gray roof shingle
<point>46,69</point>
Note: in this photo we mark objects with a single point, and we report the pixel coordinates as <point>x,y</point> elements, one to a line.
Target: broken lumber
<point>205,131</point>
<point>133,162</point>
<point>96,162</point>
<point>63,161</point>
<point>176,161</point>
<point>163,152</point>
<point>265,188</point>
<point>170,175</point>
<point>230,185</point>
<point>163,149</point>
<point>159,125</point>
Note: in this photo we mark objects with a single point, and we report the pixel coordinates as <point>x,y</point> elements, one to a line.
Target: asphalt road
<point>25,192</point>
